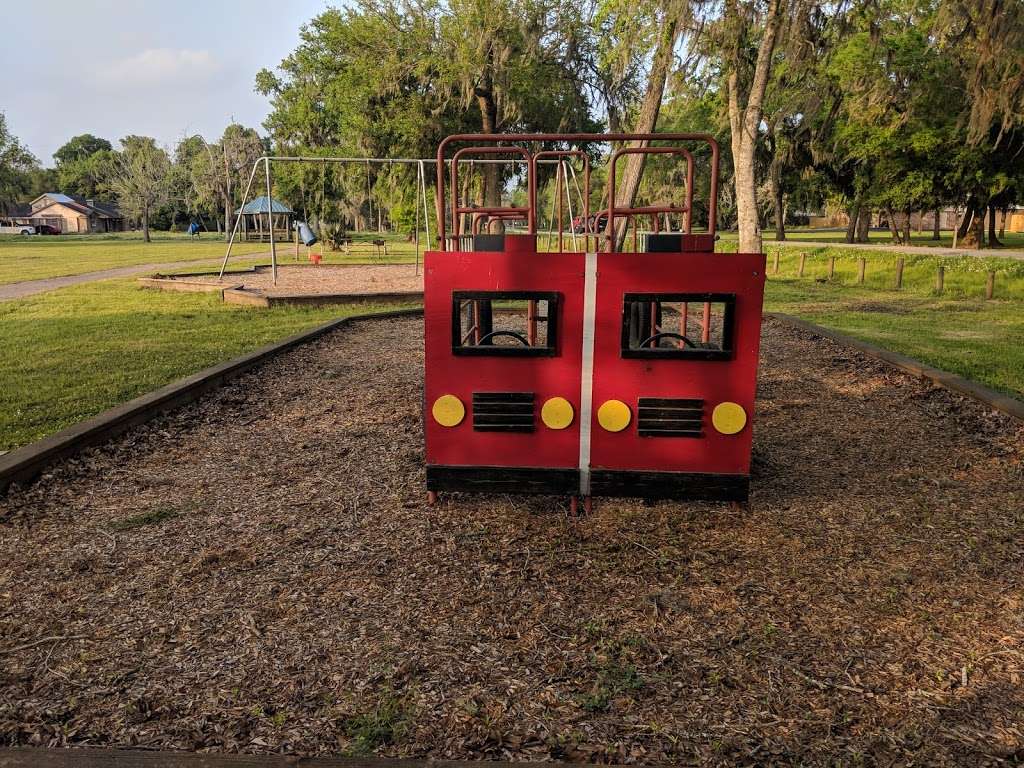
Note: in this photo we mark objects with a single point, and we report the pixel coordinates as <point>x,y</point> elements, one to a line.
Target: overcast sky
<point>149,67</point>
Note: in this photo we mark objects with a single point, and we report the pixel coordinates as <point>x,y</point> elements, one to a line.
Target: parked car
<point>596,224</point>
<point>8,228</point>
<point>47,229</point>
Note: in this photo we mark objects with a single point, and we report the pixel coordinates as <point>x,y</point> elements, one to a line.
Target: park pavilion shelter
<point>255,223</point>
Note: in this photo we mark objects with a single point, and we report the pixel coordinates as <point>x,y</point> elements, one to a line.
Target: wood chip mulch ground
<point>259,573</point>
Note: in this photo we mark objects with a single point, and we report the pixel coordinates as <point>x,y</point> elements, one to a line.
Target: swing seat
<point>306,234</point>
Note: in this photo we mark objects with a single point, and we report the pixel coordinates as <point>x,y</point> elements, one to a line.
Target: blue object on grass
<point>306,234</point>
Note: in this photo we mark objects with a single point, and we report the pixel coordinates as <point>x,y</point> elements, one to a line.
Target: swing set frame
<point>266,160</point>
<point>559,157</point>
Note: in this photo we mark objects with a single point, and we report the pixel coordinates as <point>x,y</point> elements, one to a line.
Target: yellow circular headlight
<point>614,415</point>
<point>557,413</point>
<point>448,411</point>
<point>729,418</point>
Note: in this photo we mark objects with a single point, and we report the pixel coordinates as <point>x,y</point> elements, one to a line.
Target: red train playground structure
<point>599,373</point>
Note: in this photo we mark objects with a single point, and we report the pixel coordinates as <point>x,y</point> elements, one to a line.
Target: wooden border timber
<point>25,464</point>
<point>184,286</point>
<point>237,293</point>
<point>990,397</point>
<point>234,294</point>
<point>107,757</point>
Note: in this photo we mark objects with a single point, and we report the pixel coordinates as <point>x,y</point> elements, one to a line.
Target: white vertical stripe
<point>587,373</point>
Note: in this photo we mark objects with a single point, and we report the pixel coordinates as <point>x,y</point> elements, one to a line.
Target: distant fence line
<point>896,266</point>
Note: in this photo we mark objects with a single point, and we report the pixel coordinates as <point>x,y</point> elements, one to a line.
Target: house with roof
<point>71,214</point>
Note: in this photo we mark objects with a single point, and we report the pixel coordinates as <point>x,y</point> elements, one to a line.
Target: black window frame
<point>550,349</point>
<point>682,353</point>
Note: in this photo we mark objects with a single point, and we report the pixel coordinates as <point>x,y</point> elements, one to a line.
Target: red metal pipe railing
<point>576,138</point>
<point>458,210</point>
<point>488,217</point>
<point>653,210</point>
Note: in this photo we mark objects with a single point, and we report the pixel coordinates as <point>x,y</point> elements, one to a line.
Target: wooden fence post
<point>861,266</point>
<point>803,261</point>
<point>990,285</point>
<point>776,262</point>
<point>831,267</point>
<point>899,273</point>
<point>940,278</point>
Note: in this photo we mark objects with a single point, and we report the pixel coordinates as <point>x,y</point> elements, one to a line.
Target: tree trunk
<point>466,220</point>
<point>972,231</point>
<point>976,235</point>
<point>488,124</point>
<point>906,227</point>
<point>863,225</point>
<point>145,224</point>
<point>778,200</point>
<point>937,225</point>
<point>228,197</point>
<point>893,226</point>
<point>1002,222</point>
<point>993,241</point>
<point>744,121</point>
<point>853,212</point>
<point>628,182</point>
<point>965,222</point>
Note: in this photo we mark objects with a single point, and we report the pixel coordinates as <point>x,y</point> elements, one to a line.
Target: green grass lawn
<point>1012,240</point>
<point>35,258</point>
<point>957,331</point>
<point>400,251</point>
<point>69,354</point>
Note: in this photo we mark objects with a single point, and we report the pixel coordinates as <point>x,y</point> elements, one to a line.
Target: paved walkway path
<point>29,287</point>
<point>924,250</point>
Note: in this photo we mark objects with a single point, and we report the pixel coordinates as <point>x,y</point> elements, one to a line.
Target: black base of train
<point>681,486</point>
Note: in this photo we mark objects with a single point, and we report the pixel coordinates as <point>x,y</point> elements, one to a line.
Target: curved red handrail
<point>457,210</point>
<point>653,210</point>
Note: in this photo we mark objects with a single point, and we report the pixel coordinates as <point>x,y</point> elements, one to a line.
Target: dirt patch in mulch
<point>259,572</point>
<point>325,279</point>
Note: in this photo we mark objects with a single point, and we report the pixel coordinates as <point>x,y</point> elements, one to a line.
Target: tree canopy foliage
<point>140,176</point>
<point>876,109</point>
<point>82,164</point>
<point>16,167</point>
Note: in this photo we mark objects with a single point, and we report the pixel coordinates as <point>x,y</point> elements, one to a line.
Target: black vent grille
<point>503,411</point>
<point>670,417</point>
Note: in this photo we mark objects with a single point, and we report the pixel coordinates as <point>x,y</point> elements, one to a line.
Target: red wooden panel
<point>628,379</point>
<point>447,373</point>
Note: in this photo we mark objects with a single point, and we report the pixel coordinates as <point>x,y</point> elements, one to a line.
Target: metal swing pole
<point>270,219</point>
<point>426,209</point>
<point>568,202</point>
<point>369,200</point>
<point>416,226</point>
<point>391,167</point>
<point>583,205</point>
<point>234,229</point>
<point>558,192</point>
